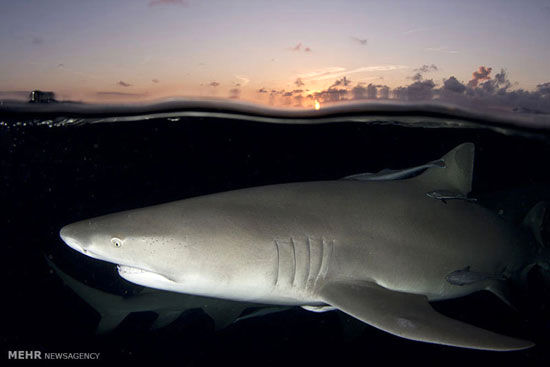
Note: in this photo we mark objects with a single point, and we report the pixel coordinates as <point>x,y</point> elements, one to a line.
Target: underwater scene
<point>76,166</point>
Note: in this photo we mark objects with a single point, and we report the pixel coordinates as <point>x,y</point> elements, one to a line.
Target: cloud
<point>341,82</point>
<point>499,83</point>
<point>285,98</point>
<point>167,2</point>
<point>483,73</point>
<point>488,94</point>
<point>360,41</point>
<point>214,84</point>
<point>400,93</point>
<point>338,91</point>
<point>544,88</point>
<point>298,100</point>
<point>155,81</point>
<point>336,72</point>
<point>371,91</point>
<point>243,80</point>
<point>295,92</point>
<point>453,85</point>
<point>361,70</point>
<point>416,30</point>
<point>501,79</point>
<point>383,92</point>
<point>298,82</point>
<point>485,93</point>
<point>120,94</point>
<point>423,70</point>
<point>420,91</point>
<point>426,68</point>
<point>124,84</point>
<point>331,95</point>
<point>444,49</point>
<point>417,77</point>
<point>300,47</point>
<point>481,83</point>
<point>234,93</point>
<point>359,91</point>
<point>321,72</point>
<point>417,91</point>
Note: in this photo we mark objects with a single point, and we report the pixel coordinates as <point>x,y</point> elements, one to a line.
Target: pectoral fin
<point>411,316</point>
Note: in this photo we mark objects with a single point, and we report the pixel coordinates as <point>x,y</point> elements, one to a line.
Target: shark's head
<point>139,245</point>
<point>187,246</point>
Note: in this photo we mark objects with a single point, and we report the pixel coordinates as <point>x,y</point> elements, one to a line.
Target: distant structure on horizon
<point>38,96</point>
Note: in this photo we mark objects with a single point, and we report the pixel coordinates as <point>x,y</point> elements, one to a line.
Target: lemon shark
<point>378,247</point>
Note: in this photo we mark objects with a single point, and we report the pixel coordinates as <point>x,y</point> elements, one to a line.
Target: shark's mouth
<point>125,270</point>
<point>143,277</point>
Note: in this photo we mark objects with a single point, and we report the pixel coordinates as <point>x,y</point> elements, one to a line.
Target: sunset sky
<point>135,50</point>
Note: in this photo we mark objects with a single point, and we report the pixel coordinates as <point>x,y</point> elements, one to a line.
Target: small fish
<point>466,277</point>
<point>445,195</point>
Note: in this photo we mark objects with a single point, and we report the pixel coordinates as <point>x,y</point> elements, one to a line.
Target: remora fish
<point>376,250</point>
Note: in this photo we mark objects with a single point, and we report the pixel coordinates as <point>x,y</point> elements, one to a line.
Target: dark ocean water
<point>52,176</point>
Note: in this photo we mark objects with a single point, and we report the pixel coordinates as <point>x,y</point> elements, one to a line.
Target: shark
<point>378,247</point>
<point>168,306</point>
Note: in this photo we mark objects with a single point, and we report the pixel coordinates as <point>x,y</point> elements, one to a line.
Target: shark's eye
<point>116,241</point>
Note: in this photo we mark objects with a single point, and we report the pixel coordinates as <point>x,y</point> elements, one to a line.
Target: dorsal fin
<point>457,174</point>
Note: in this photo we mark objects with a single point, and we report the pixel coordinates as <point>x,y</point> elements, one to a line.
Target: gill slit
<point>278,263</point>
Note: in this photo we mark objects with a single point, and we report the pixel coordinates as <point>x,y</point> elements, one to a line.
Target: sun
<point>317,105</point>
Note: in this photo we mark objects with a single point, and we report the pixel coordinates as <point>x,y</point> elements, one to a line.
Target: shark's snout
<point>69,236</point>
